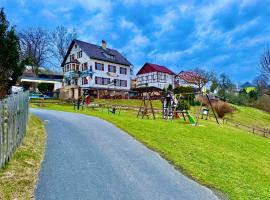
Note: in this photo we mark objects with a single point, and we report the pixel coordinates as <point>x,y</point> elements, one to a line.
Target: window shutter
<point>114,69</point>
<point>95,65</point>
<point>102,67</point>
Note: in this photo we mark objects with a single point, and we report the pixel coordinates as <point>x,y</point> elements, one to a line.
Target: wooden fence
<point>13,121</point>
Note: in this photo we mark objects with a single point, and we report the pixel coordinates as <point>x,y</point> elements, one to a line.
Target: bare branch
<point>265,64</point>
<point>60,40</point>
<point>35,45</point>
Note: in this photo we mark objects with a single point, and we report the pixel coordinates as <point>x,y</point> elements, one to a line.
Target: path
<point>88,158</point>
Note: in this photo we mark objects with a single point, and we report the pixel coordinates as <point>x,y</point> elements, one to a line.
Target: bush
<point>182,106</point>
<point>240,99</point>
<point>222,108</point>
<point>263,103</point>
<point>45,87</point>
<point>182,89</point>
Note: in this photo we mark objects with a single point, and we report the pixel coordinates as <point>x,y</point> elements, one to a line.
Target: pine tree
<point>10,69</point>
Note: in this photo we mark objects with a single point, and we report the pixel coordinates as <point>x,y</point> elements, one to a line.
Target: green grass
<point>219,156</point>
<point>251,117</point>
<point>18,178</point>
<point>128,102</point>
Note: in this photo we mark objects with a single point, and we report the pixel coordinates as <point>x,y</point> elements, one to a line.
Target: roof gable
<point>189,76</point>
<point>149,67</point>
<point>97,52</point>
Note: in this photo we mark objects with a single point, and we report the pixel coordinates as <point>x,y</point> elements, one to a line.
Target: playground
<point>212,154</point>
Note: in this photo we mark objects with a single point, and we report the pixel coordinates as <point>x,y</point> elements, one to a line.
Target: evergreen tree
<point>10,69</point>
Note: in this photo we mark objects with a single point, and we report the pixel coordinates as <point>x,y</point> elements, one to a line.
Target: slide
<point>191,119</point>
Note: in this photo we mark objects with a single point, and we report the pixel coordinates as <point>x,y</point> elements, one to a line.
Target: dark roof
<point>51,76</point>
<point>247,84</point>
<point>97,52</point>
<point>147,89</point>
<point>149,67</point>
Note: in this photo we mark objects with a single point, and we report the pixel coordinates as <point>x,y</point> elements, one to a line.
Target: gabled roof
<point>188,76</point>
<point>247,84</point>
<point>97,52</point>
<point>149,67</point>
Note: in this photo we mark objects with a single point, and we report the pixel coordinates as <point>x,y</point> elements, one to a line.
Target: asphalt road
<point>88,158</point>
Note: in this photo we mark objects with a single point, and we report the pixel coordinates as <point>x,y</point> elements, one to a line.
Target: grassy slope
<point>18,178</point>
<point>221,157</point>
<point>251,116</point>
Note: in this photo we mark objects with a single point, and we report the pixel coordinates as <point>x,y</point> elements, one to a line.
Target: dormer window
<point>110,56</point>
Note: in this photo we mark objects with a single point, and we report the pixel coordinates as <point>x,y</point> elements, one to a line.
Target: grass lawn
<point>219,156</point>
<point>251,116</point>
<point>18,178</point>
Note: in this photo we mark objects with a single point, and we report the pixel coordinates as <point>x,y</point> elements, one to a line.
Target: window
<point>84,66</point>
<point>79,54</point>
<point>72,57</point>
<point>99,66</point>
<point>123,83</point>
<point>105,81</point>
<point>116,82</point>
<point>98,80</point>
<point>73,66</point>
<point>77,68</point>
<point>111,68</point>
<point>110,56</point>
<point>75,46</point>
<point>123,70</point>
<point>84,81</point>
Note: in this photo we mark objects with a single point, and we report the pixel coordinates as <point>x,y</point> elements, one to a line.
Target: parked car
<point>38,95</point>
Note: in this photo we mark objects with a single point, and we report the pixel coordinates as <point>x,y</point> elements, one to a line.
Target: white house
<point>155,76</point>
<point>96,69</point>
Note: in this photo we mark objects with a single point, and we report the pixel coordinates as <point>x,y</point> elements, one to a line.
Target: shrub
<point>222,108</point>
<point>263,103</point>
<point>182,106</point>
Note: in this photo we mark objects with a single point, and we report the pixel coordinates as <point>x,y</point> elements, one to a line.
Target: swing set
<point>173,106</point>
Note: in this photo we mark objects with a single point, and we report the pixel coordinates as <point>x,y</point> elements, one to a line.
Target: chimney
<point>104,44</point>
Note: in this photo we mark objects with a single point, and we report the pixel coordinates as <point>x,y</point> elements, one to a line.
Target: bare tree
<point>265,64</point>
<point>35,43</point>
<point>60,40</point>
<point>261,84</point>
<point>199,77</point>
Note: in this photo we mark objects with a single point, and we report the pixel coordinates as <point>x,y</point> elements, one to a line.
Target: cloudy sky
<point>225,35</point>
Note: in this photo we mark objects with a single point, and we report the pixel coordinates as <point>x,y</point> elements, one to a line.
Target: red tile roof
<point>189,76</point>
<point>149,67</point>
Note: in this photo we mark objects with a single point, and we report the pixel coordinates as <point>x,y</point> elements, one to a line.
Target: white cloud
<point>48,14</point>
<point>125,24</point>
<point>165,22</point>
<point>143,2</point>
<point>96,5</point>
<point>99,22</point>
<point>139,40</point>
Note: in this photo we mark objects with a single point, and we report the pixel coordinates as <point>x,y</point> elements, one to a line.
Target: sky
<point>226,36</point>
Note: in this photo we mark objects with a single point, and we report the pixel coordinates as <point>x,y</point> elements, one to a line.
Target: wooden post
<point>212,108</point>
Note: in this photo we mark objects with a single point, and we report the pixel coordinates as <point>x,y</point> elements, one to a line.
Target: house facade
<point>152,75</point>
<point>95,69</point>
<point>186,79</point>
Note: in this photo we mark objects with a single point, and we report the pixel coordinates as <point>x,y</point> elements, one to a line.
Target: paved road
<point>88,158</point>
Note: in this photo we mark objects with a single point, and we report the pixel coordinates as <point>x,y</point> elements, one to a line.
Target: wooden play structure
<point>174,107</point>
<point>144,109</point>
